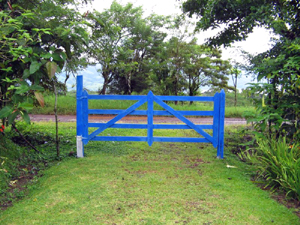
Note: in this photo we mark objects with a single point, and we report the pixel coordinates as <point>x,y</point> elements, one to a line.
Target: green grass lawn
<point>131,183</point>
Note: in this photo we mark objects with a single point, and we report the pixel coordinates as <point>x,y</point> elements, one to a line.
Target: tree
<point>238,18</point>
<point>123,43</point>
<point>279,65</point>
<point>186,66</point>
<point>33,45</point>
<point>204,67</point>
<point>109,32</point>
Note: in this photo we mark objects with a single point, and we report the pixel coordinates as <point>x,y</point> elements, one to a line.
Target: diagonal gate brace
<point>183,119</point>
<point>117,118</point>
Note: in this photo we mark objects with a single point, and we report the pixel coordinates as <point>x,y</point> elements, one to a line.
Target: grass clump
<point>279,163</point>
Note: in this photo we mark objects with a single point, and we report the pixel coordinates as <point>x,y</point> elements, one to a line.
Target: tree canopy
<point>238,18</point>
<point>136,53</point>
<point>279,65</point>
<point>37,39</point>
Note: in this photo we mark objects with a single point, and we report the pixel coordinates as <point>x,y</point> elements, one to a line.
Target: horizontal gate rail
<point>83,136</point>
<point>163,98</point>
<point>155,139</point>
<point>145,112</point>
<point>145,126</point>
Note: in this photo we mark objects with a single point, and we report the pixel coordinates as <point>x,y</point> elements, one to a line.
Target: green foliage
<point>124,44</point>
<point>20,165</point>
<point>279,163</point>
<point>9,155</point>
<point>279,65</point>
<point>33,47</point>
<point>238,18</point>
<point>279,105</point>
<point>135,56</point>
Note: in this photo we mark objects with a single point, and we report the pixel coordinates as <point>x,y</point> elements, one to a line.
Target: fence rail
<point>83,135</point>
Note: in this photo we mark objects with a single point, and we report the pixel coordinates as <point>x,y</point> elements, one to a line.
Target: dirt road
<point>135,119</point>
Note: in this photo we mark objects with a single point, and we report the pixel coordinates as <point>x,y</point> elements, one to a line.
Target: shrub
<point>279,163</point>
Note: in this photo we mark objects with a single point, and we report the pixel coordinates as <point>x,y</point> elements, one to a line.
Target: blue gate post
<point>79,116</point>
<point>216,120</point>
<point>150,118</point>
<point>85,117</point>
<point>220,151</point>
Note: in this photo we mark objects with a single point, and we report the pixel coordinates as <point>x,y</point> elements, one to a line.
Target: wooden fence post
<point>79,116</point>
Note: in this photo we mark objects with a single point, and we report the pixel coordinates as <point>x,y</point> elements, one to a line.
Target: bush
<point>279,163</point>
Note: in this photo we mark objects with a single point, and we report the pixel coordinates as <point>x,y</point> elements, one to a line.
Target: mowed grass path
<point>131,183</point>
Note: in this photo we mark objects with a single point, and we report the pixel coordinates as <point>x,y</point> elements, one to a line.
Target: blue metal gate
<point>83,136</point>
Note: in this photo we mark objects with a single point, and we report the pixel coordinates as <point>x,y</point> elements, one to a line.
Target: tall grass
<point>67,105</point>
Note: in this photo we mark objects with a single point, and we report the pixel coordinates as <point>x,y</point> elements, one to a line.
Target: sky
<point>257,42</point>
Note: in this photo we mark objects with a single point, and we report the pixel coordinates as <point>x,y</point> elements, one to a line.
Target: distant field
<point>67,105</point>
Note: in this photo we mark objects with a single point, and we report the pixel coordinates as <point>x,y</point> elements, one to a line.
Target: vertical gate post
<point>150,118</point>
<point>216,120</point>
<point>79,116</point>
<point>221,126</point>
<point>85,117</point>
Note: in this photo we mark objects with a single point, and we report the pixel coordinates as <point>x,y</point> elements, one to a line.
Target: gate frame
<point>83,137</point>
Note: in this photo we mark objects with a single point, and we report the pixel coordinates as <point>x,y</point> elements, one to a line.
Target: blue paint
<point>150,118</point>
<point>217,127</point>
<point>216,119</point>
<point>79,114</point>
<point>119,138</point>
<point>118,117</point>
<point>182,118</point>
<point>85,117</point>
<point>79,121</point>
<point>155,112</point>
<point>163,98</point>
<point>220,150</point>
<point>155,126</point>
<point>178,139</point>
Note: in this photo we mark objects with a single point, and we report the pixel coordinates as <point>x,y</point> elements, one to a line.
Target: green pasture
<point>67,105</point>
<point>131,183</point>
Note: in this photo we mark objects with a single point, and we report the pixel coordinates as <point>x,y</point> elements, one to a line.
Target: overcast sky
<point>258,41</point>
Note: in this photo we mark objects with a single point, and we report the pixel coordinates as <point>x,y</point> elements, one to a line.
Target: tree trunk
<point>190,89</point>
<point>56,122</point>
<point>235,100</point>
<point>128,80</point>
<point>235,89</point>
<point>103,90</point>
